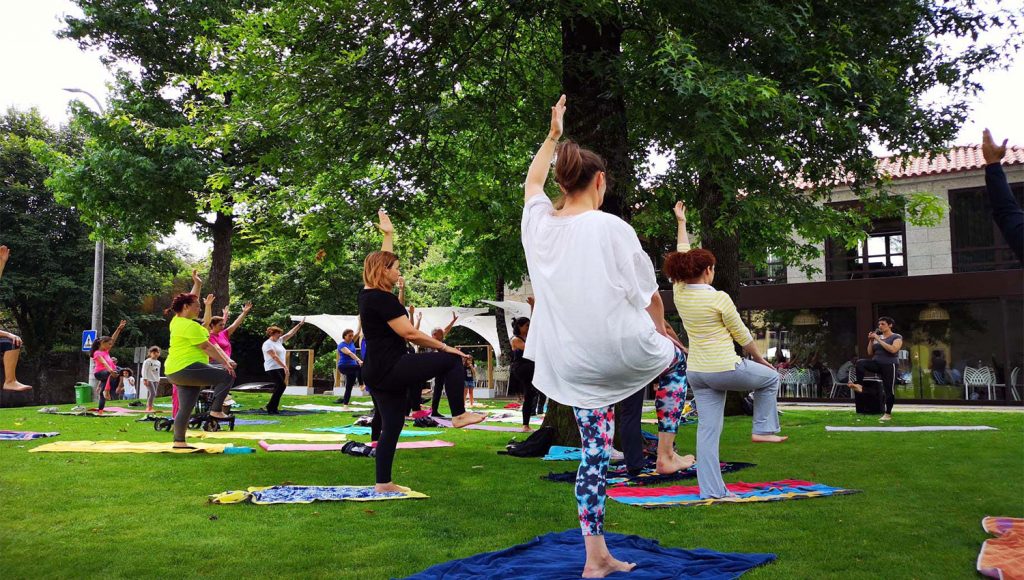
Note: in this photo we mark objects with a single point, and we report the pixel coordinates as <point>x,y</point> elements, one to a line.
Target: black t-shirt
<point>383,345</point>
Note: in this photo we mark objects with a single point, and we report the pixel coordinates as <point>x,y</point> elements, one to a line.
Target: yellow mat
<point>258,435</point>
<point>124,447</point>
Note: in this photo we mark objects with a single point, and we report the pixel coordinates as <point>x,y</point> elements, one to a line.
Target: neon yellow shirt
<point>186,336</point>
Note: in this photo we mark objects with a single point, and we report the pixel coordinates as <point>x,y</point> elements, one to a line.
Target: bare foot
<point>855,387</point>
<point>768,438</point>
<point>178,445</point>
<point>219,416</point>
<point>390,488</point>
<point>527,429</point>
<point>467,419</point>
<point>885,417</point>
<point>676,463</point>
<point>16,386</point>
<point>150,410</point>
<point>605,567</point>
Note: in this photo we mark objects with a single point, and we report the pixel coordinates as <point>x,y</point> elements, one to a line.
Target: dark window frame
<point>1004,257</point>
<point>888,227</point>
<point>774,272</point>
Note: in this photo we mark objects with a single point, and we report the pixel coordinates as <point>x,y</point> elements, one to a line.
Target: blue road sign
<point>88,337</point>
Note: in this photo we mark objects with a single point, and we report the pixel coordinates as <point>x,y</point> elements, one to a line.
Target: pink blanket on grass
<point>337,446</point>
<point>479,427</point>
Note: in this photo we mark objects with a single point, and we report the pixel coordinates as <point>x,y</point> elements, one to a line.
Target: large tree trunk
<point>726,248</point>
<point>220,262</point>
<point>596,116</point>
<point>596,119</point>
<point>499,321</point>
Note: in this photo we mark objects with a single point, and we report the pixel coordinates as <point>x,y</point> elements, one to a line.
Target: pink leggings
<point>174,400</point>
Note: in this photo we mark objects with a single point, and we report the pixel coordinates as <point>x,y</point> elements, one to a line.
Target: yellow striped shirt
<point>712,323</point>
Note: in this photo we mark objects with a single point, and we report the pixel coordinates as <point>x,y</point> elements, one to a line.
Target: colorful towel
<point>358,430</point>
<point>124,447</point>
<point>265,435</point>
<point>283,413</point>
<point>478,427</point>
<point>337,446</point>
<point>909,429</point>
<point>560,556</point>
<point>309,494</point>
<point>123,410</point>
<point>618,475</point>
<point>561,453</point>
<point>256,422</point>
<point>25,435</point>
<point>505,416</point>
<point>1003,556</point>
<point>679,495</point>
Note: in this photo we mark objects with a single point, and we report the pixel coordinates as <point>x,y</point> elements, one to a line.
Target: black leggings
<point>276,376</point>
<point>435,401</point>
<point>102,376</point>
<point>390,398</point>
<point>351,377</point>
<point>523,373</point>
<point>888,372</point>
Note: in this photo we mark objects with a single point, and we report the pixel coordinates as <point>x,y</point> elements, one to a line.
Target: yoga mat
<point>360,430</point>
<point>618,475</point>
<point>124,410</point>
<point>324,408</point>
<point>309,494</point>
<point>479,427</point>
<point>125,447</point>
<point>84,413</point>
<point>25,435</point>
<point>256,422</point>
<point>910,429</point>
<point>337,446</point>
<point>560,556</point>
<point>678,495</point>
<point>284,413</point>
<point>1003,556</point>
<point>561,453</point>
<point>504,416</point>
<point>266,435</point>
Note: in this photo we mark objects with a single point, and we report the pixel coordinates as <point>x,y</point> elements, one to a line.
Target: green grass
<point>120,516</point>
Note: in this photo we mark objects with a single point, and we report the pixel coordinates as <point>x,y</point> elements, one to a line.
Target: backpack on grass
<point>536,445</point>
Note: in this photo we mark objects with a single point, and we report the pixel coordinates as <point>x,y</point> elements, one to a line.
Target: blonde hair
<point>272,330</point>
<point>375,268</point>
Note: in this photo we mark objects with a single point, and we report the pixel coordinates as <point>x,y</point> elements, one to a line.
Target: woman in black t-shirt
<point>388,368</point>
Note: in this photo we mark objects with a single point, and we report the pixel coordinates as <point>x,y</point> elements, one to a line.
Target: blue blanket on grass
<point>360,430</point>
<point>556,556</point>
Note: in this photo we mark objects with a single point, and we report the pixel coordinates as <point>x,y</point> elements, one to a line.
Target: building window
<point>882,254</point>
<point>977,243</point>
<point>773,272</point>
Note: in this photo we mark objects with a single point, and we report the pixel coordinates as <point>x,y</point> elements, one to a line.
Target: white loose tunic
<point>592,340</point>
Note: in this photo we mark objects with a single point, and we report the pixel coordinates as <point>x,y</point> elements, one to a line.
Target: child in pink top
<point>104,369</point>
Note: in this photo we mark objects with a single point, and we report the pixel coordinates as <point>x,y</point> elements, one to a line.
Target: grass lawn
<point>125,515</point>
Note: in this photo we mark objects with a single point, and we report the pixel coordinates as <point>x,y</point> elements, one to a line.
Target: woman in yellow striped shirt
<point>712,324</point>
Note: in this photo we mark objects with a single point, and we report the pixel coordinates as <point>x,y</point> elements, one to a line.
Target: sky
<point>35,66</point>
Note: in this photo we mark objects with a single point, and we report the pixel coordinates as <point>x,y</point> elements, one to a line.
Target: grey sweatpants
<point>190,380</point>
<point>709,392</point>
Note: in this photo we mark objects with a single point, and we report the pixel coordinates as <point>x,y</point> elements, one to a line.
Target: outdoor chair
<point>837,384</point>
<point>980,377</point>
<point>1010,386</point>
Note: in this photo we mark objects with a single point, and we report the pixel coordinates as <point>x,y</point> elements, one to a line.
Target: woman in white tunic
<point>598,333</point>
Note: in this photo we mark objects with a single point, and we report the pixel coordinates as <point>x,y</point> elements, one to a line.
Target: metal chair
<point>977,378</point>
<point>836,384</point>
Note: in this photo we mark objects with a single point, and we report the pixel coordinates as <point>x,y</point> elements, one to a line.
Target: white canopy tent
<point>332,324</point>
<point>512,308</point>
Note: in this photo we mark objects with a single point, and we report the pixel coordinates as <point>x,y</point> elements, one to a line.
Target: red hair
<point>576,167</point>
<point>179,302</point>
<point>680,266</point>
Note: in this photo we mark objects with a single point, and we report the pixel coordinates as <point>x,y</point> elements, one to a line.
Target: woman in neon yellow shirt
<point>188,367</point>
<point>712,324</point>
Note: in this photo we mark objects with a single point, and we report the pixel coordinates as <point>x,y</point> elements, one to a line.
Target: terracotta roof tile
<point>959,158</point>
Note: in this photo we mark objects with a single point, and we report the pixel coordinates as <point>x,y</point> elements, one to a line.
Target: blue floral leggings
<point>597,429</point>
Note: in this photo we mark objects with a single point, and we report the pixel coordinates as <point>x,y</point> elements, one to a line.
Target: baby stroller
<point>201,418</point>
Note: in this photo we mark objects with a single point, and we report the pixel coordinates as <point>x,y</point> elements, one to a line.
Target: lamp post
<point>97,269</point>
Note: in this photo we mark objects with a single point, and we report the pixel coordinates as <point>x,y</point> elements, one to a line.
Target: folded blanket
<point>910,429</point>
<point>358,430</point>
<point>123,410</point>
<point>1003,556</point>
<point>125,447</point>
<point>679,495</point>
<point>337,446</point>
<point>266,435</point>
<point>618,475</point>
<point>560,556</point>
<point>25,435</point>
<point>309,494</point>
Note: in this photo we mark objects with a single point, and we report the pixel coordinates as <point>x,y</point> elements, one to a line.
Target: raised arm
<point>359,332</point>
<point>292,332</point>
<point>451,324</point>
<point>117,331</point>
<point>238,321</point>
<point>682,238</point>
<point>401,290</point>
<point>386,228</point>
<point>197,283</point>
<point>1006,211</point>
<point>541,165</point>
<point>208,310</point>
<point>532,302</point>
